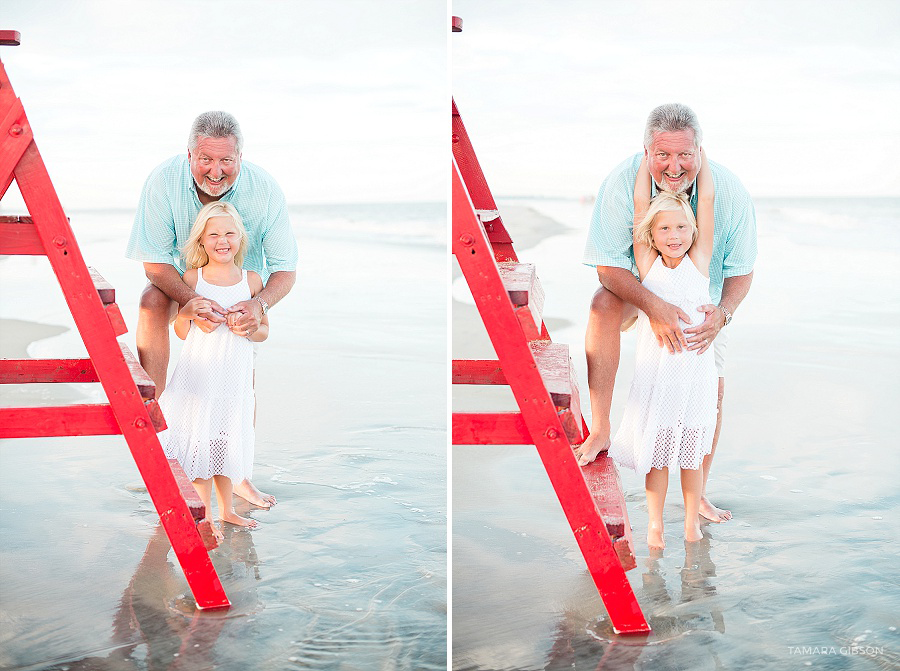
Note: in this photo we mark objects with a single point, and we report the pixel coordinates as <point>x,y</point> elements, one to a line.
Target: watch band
<point>727,314</point>
<point>265,306</point>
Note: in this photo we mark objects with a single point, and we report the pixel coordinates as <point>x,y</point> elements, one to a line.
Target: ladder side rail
<point>474,255</point>
<point>99,338</point>
<point>479,192</point>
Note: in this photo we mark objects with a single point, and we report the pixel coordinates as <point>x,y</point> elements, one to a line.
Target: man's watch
<point>726,313</point>
<point>265,307</point>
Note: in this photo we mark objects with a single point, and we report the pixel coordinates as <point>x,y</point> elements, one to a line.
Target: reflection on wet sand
<point>153,630</point>
<point>696,608</point>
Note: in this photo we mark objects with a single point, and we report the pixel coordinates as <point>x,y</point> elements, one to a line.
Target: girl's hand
<point>203,312</point>
<point>195,307</point>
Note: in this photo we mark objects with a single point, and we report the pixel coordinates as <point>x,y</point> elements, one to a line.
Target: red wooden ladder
<point>131,409</point>
<point>510,301</point>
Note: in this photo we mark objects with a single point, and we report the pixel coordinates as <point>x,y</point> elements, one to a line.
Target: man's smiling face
<point>215,164</point>
<point>673,160</point>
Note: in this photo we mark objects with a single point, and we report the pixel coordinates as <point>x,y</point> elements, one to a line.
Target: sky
<point>797,98</point>
<point>341,101</point>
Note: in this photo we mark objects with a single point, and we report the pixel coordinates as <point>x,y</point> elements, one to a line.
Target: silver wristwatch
<point>726,313</point>
<point>265,307</point>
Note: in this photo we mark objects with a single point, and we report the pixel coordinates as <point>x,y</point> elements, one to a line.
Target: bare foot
<point>233,518</point>
<point>590,448</point>
<point>713,514</point>
<point>655,538</point>
<point>692,531</point>
<point>248,491</point>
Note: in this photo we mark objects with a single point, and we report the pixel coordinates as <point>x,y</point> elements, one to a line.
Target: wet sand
<point>806,572</point>
<point>348,571</point>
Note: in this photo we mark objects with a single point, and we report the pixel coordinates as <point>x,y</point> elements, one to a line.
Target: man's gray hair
<point>671,118</point>
<point>215,124</point>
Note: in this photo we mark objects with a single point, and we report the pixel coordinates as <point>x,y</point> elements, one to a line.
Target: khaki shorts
<point>719,346</point>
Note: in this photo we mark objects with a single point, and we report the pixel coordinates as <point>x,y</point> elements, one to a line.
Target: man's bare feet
<point>655,537</point>
<point>590,448</point>
<point>713,514</point>
<point>233,518</point>
<point>248,491</point>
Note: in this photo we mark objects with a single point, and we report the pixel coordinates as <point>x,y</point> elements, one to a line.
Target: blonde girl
<point>209,402</point>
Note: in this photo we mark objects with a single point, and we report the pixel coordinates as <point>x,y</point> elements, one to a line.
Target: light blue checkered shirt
<point>169,205</point>
<point>609,240</point>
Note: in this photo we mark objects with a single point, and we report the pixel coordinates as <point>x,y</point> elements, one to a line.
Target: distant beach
<point>806,463</point>
<point>348,570</point>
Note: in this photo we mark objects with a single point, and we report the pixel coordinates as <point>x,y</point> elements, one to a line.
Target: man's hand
<point>664,320</point>
<point>244,317</point>
<point>701,336</point>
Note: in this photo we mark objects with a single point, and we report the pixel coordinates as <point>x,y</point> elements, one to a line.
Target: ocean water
<point>348,571</point>
<point>806,575</point>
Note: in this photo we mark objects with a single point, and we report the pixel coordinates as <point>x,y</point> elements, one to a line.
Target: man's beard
<point>681,187</point>
<point>202,187</point>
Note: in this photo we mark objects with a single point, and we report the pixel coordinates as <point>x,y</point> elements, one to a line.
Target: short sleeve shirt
<point>609,240</point>
<point>169,206</point>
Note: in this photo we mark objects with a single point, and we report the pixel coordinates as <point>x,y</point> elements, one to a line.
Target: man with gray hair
<point>672,141</point>
<point>173,194</point>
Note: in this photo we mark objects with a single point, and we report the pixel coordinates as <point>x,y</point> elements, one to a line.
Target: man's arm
<point>664,317</point>
<point>734,291</point>
<point>167,279</point>
<point>279,285</point>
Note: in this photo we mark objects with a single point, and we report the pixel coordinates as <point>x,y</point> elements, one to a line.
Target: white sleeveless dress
<point>208,403</point>
<point>670,416</point>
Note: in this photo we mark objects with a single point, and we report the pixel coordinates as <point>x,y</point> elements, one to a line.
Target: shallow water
<point>348,571</point>
<point>806,574</point>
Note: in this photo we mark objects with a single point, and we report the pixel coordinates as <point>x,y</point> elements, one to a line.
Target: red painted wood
<point>602,480</point>
<point>25,371</point>
<point>66,420</point>
<point>106,291</point>
<point>480,194</point>
<point>503,428</point>
<point>19,238</point>
<point>195,505</point>
<point>10,38</point>
<point>489,428</point>
<point>538,412</point>
<point>116,321</point>
<point>477,371</point>
<point>134,417</point>
<point>456,24</point>
<point>15,132</point>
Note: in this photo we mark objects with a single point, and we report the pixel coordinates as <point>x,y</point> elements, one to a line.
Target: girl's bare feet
<point>216,531</point>
<point>233,518</point>
<point>692,531</point>
<point>655,537</point>
<point>712,513</point>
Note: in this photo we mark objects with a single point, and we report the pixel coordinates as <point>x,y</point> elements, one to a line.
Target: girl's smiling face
<point>221,239</point>
<point>672,236</point>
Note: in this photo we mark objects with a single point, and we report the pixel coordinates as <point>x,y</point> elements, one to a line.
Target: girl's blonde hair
<point>194,254</point>
<point>665,201</point>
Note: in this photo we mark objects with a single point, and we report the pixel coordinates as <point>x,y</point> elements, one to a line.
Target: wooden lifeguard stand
<point>131,410</point>
<point>510,300</point>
